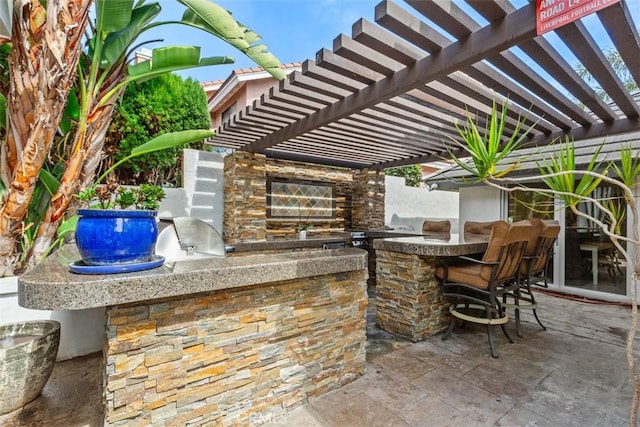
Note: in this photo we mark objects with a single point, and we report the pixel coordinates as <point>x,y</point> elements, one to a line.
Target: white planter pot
<point>302,234</point>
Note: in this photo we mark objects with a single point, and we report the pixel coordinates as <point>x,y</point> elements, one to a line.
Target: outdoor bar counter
<point>234,340</point>
<point>409,301</point>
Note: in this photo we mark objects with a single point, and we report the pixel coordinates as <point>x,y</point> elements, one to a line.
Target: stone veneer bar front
<point>230,341</point>
<point>409,301</point>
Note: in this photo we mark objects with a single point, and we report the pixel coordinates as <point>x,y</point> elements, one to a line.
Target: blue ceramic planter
<point>107,237</point>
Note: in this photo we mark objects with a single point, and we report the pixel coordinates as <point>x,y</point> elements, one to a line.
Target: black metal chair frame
<point>523,294</point>
<point>544,272</point>
<point>466,297</point>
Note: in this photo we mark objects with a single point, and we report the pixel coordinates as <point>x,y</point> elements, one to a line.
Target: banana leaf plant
<point>491,155</point>
<point>68,74</point>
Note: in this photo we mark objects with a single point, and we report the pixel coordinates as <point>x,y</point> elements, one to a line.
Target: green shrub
<point>164,104</point>
<point>412,174</point>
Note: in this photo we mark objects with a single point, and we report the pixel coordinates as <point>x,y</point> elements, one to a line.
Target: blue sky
<point>295,30</point>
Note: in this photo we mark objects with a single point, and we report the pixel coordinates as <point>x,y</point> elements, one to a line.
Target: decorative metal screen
<point>300,199</point>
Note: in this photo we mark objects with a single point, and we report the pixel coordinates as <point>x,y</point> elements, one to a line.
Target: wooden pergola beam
<point>488,41</point>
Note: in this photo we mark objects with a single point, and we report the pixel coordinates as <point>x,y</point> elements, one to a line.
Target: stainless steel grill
<point>187,239</point>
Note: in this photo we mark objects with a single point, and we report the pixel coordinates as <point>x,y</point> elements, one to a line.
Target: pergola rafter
<point>393,92</point>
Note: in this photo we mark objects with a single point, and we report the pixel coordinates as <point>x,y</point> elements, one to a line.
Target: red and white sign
<point>551,14</point>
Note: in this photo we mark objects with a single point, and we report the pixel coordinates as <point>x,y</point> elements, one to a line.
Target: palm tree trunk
<point>79,174</point>
<point>43,63</point>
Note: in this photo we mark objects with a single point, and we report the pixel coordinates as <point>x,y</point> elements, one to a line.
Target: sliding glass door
<point>587,258</point>
<point>591,260</point>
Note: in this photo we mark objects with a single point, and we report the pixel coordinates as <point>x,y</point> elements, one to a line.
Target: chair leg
<point>516,298</point>
<point>506,334</point>
<point>502,310</point>
<point>617,264</point>
<point>538,319</point>
<point>452,325</point>
<point>546,272</point>
<point>535,313</point>
<point>492,342</point>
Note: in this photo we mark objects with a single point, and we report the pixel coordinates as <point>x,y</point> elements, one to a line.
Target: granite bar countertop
<point>434,245</point>
<point>51,286</point>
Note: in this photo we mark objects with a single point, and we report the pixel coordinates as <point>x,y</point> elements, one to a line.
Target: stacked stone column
<point>367,199</point>
<point>409,299</point>
<point>245,205</point>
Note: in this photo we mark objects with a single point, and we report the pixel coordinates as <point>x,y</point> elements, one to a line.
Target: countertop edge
<point>50,286</point>
<point>427,248</point>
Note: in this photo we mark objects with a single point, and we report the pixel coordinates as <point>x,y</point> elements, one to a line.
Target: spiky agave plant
<point>568,184</point>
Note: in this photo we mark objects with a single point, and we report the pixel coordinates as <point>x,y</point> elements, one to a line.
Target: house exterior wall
<point>243,95</point>
<point>255,88</point>
<point>239,98</point>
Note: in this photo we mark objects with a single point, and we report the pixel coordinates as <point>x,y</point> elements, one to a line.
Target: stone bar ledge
<point>51,286</point>
<point>448,245</point>
<point>311,242</point>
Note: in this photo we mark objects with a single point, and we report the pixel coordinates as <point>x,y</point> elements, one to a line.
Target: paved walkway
<point>573,374</point>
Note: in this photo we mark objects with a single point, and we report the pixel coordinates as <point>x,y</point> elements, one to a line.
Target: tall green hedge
<point>164,104</point>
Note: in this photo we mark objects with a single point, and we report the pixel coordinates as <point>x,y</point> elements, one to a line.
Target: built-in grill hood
<point>187,239</point>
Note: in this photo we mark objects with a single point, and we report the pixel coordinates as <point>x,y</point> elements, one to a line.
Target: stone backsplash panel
<point>342,178</point>
<point>359,198</point>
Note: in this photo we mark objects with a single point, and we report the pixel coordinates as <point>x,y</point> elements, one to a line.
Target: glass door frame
<point>557,282</point>
<point>559,266</point>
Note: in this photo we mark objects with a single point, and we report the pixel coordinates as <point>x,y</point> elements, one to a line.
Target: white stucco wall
<point>203,194</point>
<point>480,203</point>
<point>81,332</point>
<point>412,205</point>
<point>203,181</point>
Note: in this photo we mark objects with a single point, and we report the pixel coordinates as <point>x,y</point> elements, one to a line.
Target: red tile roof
<point>250,70</point>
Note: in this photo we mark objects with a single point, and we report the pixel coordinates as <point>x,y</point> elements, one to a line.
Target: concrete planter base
<point>27,354</point>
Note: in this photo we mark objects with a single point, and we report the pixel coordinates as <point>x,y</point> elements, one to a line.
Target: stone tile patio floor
<point>573,374</point>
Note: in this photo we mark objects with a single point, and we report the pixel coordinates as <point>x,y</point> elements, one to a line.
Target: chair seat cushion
<point>468,274</point>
